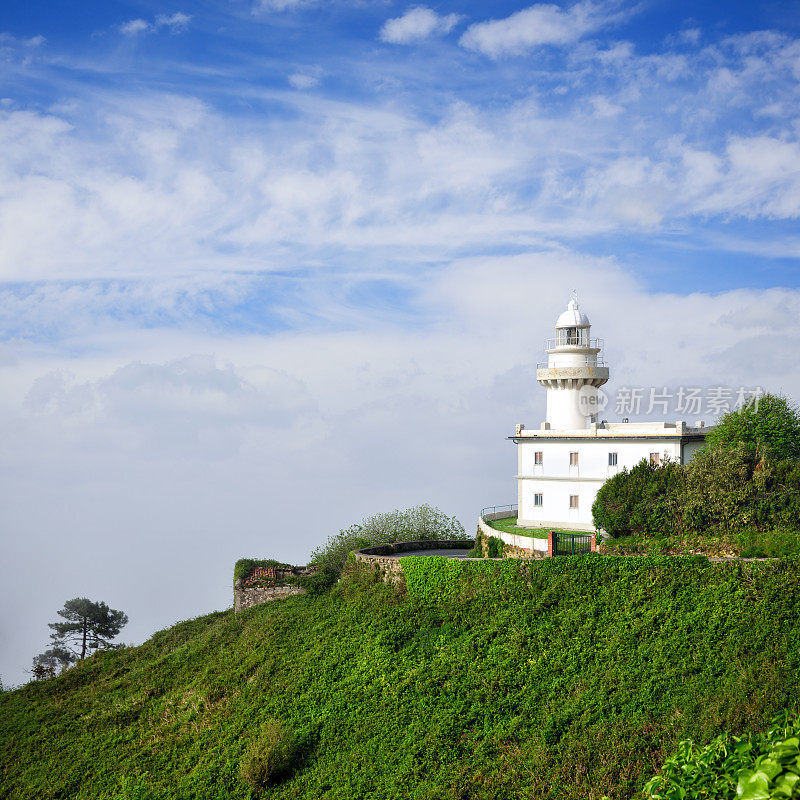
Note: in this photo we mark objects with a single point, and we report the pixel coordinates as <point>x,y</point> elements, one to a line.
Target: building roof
<point>617,430</point>
<point>573,317</point>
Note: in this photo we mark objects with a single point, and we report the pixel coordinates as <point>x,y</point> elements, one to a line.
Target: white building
<point>563,463</point>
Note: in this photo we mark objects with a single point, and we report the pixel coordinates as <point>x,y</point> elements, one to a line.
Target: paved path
<point>450,553</point>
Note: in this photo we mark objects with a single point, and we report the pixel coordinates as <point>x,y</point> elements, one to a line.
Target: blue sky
<point>269,266</point>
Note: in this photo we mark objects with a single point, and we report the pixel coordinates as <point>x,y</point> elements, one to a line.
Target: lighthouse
<point>574,371</point>
<point>564,461</point>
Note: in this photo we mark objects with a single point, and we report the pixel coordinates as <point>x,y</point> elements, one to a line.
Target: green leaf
<point>769,767</point>
<point>787,748</point>
<point>785,785</point>
<point>752,786</point>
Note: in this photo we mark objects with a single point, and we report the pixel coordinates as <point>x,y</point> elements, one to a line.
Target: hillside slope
<point>570,678</point>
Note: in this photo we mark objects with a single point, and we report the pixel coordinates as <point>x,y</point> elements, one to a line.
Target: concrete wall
<point>526,545</point>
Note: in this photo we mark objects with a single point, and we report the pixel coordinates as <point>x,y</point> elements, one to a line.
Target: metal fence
<point>572,544</point>
<point>496,509</point>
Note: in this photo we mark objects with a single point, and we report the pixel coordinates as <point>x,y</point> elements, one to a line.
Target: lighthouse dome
<point>573,317</point>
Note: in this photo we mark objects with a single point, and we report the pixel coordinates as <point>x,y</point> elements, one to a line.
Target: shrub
<point>645,497</point>
<point>494,548</point>
<point>722,484</point>
<point>754,543</point>
<point>772,424</point>
<point>269,756</point>
<point>419,523</point>
<point>245,567</point>
<point>749,767</point>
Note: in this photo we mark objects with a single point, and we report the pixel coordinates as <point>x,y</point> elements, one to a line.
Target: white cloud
<point>274,442</point>
<point>304,80</point>
<point>134,27</point>
<point>280,5</point>
<point>690,35</point>
<point>538,25</point>
<point>417,24</point>
<point>176,23</point>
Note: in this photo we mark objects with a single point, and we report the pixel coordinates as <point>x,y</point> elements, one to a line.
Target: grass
<point>509,525</point>
<point>573,682</point>
<point>747,543</point>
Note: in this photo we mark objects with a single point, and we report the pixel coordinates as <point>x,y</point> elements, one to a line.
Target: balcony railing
<point>593,362</point>
<point>495,509</point>
<point>572,341</point>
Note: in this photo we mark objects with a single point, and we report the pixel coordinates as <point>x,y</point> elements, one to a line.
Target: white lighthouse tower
<point>562,463</point>
<point>573,373</point>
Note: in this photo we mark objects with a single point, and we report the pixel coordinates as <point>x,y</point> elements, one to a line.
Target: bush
<point>269,756</point>
<point>494,548</point>
<point>419,523</point>
<point>645,498</point>
<point>722,484</point>
<point>748,767</point>
<point>245,567</point>
<point>754,543</point>
<point>772,424</point>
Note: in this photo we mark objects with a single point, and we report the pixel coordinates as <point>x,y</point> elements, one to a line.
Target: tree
<point>46,664</point>
<point>417,523</point>
<point>88,626</point>
<point>771,422</point>
<point>642,499</point>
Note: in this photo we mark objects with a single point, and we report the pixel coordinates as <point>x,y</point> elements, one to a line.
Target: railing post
<point>551,543</point>
<point>594,542</point>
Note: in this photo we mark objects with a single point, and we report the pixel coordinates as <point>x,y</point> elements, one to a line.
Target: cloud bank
<point>417,24</point>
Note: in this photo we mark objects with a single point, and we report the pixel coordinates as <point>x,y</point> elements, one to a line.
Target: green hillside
<point>562,678</point>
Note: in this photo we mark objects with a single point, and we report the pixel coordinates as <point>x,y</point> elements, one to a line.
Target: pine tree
<point>88,626</point>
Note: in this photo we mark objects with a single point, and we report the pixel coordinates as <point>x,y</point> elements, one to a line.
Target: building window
<point>612,459</point>
<point>655,460</point>
<point>573,501</point>
<point>573,459</point>
<point>537,500</point>
<point>538,458</point>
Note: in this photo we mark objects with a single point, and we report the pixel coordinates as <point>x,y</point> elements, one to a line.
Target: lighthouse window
<point>612,459</point>
<point>655,460</point>
<point>538,458</point>
<point>537,500</point>
<point>573,336</point>
<point>573,501</point>
<point>573,459</point>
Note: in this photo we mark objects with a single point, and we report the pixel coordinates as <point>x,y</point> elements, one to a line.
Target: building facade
<point>562,464</point>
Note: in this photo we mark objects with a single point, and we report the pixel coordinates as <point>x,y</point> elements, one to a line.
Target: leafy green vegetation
<point>269,756</point>
<point>751,767</point>
<point>747,476</point>
<point>414,524</point>
<point>559,678</point>
<point>726,543</point>
<point>731,488</point>
<point>245,567</point>
<point>772,424</point>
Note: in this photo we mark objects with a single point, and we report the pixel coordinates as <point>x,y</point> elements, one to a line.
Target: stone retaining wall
<point>385,558</point>
<point>266,584</point>
<point>253,595</point>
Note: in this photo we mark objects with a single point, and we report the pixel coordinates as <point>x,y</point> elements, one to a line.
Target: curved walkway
<point>446,553</point>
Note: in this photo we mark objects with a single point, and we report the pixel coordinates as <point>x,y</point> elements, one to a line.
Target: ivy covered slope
<point>561,678</point>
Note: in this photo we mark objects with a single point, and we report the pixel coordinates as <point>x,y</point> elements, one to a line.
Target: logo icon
<point>591,400</point>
